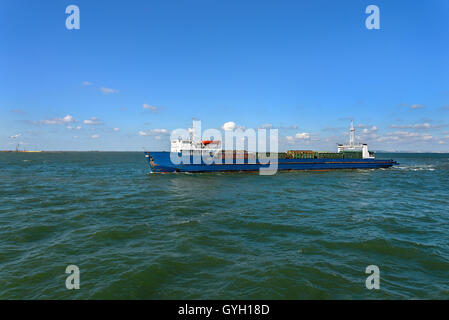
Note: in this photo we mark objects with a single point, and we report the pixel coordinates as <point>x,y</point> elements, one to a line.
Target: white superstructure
<point>195,144</point>
<point>355,147</point>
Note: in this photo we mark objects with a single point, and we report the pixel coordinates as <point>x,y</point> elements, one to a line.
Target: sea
<point>295,235</point>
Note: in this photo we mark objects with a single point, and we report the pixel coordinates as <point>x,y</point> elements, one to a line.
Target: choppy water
<point>294,235</point>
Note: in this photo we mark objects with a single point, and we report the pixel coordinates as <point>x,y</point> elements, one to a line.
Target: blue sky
<point>135,70</point>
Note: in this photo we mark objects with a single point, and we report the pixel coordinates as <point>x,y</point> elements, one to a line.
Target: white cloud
<point>153,131</point>
<point>267,126</point>
<point>78,128</point>
<point>387,139</point>
<point>229,126</point>
<point>95,136</point>
<point>86,83</point>
<point>370,130</point>
<point>422,125</point>
<point>370,134</point>
<point>303,135</point>
<point>159,131</point>
<point>108,90</point>
<point>68,118</point>
<point>404,136</point>
<point>425,125</point>
<point>93,121</point>
<point>116,129</point>
<point>58,121</point>
<point>150,107</point>
<point>416,106</point>
<point>300,136</point>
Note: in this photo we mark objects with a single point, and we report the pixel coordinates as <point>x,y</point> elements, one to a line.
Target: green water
<point>295,235</point>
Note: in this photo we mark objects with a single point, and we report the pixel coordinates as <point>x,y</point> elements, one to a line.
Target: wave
<point>417,168</point>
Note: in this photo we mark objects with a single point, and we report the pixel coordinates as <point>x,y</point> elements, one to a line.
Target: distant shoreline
<point>14,151</point>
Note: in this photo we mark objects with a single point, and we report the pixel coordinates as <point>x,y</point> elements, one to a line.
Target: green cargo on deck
<point>309,154</point>
<point>352,154</point>
<point>329,155</point>
<point>300,154</point>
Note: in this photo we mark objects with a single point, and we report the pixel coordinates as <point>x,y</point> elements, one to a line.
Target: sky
<point>136,70</point>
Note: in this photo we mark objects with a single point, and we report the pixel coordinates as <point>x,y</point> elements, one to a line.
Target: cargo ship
<point>192,150</point>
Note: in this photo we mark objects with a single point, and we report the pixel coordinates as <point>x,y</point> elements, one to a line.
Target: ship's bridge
<point>195,145</point>
<point>352,147</point>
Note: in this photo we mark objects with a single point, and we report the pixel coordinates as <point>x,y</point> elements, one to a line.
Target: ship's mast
<point>352,134</point>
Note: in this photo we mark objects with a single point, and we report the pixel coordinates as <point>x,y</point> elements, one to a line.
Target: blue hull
<point>160,162</point>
